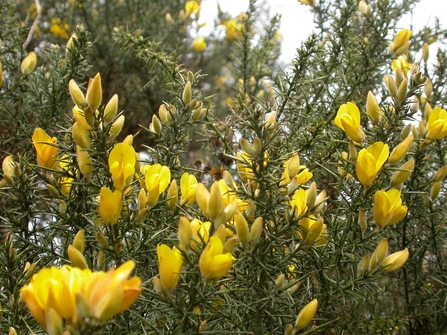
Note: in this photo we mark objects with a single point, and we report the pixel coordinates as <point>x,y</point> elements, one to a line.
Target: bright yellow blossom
<point>369,162</point>
<point>199,44</point>
<point>46,148</point>
<point>188,185</point>
<point>401,63</point>
<point>53,294</point>
<point>170,262</point>
<point>192,7</point>
<point>110,204</point>
<point>233,30</point>
<point>157,180</point>
<point>122,165</point>
<point>437,124</point>
<point>213,263</point>
<point>401,42</point>
<point>348,119</point>
<point>388,208</point>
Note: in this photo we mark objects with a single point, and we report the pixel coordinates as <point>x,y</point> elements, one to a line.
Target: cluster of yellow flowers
<point>75,296</point>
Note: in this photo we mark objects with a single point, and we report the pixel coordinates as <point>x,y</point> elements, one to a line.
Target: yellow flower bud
<point>402,174</point>
<point>172,196</point>
<point>117,126</point>
<point>434,190</point>
<point>94,92</point>
<point>279,281</point>
<point>363,264</point>
<point>256,230</point>
<point>440,174</point>
<point>155,125</point>
<point>79,241</point>
<point>379,254</point>
<point>400,150</point>
<point>402,90</point>
<point>102,240</point>
<point>311,195</point>
<point>288,330</point>
<point>76,94</point>
<point>29,63</point>
<point>230,244</point>
<point>165,115</point>
<point>390,85</point>
<point>170,262</point>
<point>110,204</point>
<point>425,52</point>
<point>77,259</point>
<point>257,147</point>
<point>428,88</point>
<point>84,162</point>
<point>111,108</point>
<point>242,229</point>
<point>364,8</point>
<point>185,232</point>
<point>401,42</point>
<point>215,203</point>
<point>199,44</point>
<point>363,222</point>
<point>395,261</point>
<point>306,315</point>
<point>246,146</point>
<point>314,232</point>
<point>187,93</point>
<point>372,107</point>
<point>80,136</point>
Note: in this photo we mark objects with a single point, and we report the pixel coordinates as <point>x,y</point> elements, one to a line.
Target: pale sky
<point>297,20</point>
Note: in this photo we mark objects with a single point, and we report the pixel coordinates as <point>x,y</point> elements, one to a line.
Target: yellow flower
<point>59,29</point>
<point>122,165</point>
<point>199,44</point>
<point>298,202</point>
<point>213,262</point>
<point>233,30</point>
<point>188,185</point>
<point>192,7</point>
<point>348,119</point>
<point>170,262</point>
<point>200,232</point>
<point>388,208</point>
<point>293,169</point>
<point>53,294</point>
<point>306,315</point>
<point>110,204</point>
<point>157,180</point>
<point>45,148</point>
<point>401,42</point>
<point>29,63</point>
<point>65,182</point>
<point>395,261</point>
<point>437,124</point>
<point>369,162</point>
<point>401,63</point>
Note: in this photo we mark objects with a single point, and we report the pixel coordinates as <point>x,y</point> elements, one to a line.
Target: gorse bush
<point>156,181</point>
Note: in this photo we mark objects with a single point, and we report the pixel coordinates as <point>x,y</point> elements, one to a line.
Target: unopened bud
<point>102,240</point>
<point>242,229</point>
<point>395,261</point>
<point>80,136</point>
<point>292,289</point>
<point>111,108</point>
<point>215,202</point>
<point>428,88</point>
<point>352,151</point>
<point>77,259</point>
<point>230,244</point>
<point>311,195</point>
<point>372,107</point>
<point>246,146</point>
<point>76,94</point>
<point>155,125</point>
<point>425,52</point>
<point>257,147</point>
<point>165,115</point>
<point>363,222</point>
<point>84,162</point>
<point>362,266</point>
<point>158,288</point>
<point>390,85</point>
<point>403,173</point>
<point>117,126</point>
<point>379,254</point>
<point>256,230</point>
<point>288,330</point>
<point>440,174</point>
<point>402,91</point>
<point>79,241</point>
<point>279,282</point>
<point>53,191</point>
<point>187,93</point>
<point>400,150</point>
<point>364,8</point>
<point>203,326</point>
<point>293,165</point>
<point>306,315</point>
<point>94,92</point>
<point>62,207</point>
<point>29,63</point>
<point>434,190</point>
<point>184,232</point>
